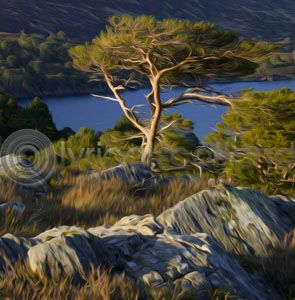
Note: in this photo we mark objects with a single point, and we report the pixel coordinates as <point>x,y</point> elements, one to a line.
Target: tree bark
<point>147,153</point>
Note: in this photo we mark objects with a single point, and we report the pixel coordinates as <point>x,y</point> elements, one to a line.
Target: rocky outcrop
<point>132,173</point>
<point>195,263</point>
<point>244,221</point>
<point>68,250</point>
<point>183,247</point>
<point>21,171</point>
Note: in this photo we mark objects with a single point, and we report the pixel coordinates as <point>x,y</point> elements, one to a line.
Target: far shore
<point>87,91</point>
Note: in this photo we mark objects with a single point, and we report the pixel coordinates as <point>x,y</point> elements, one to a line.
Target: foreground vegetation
<point>86,201</point>
<point>257,139</point>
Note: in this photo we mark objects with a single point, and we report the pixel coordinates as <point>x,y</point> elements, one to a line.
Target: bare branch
<point>133,109</point>
<point>180,168</point>
<point>132,137</point>
<point>105,97</point>
<point>167,126</point>
<point>189,96</point>
<point>127,111</point>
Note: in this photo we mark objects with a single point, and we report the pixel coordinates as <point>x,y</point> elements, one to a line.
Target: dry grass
<point>279,268</point>
<point>86,201</point>
<point>20,283</point>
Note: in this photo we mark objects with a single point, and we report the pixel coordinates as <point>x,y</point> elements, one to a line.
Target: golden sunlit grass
<point>88,201</point>
<point>21,283</point>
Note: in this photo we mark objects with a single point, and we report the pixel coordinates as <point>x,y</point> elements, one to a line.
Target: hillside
<point>35,37</point>
<point>83,18</point>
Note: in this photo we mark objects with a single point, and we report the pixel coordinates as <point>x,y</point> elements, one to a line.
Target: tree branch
<point>189,96</point>
<point>105,97</point>
<point>178,65</point>
<point>167,126</point>
<point>180,168</point>
<point>127,111</point>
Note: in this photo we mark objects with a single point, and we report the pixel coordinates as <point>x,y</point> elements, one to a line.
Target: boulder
<point>132,173</point>
<point>197,264</point>
<point>244,221</point>
<point>68,251</point>
<point>13,249</point>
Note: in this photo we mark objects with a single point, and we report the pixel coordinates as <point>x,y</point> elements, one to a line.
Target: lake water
<point>88,111</point>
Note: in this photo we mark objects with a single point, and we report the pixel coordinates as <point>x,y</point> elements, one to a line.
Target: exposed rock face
<point>132,173</point>
<point>14,167</point>
<point>13,249</point>
<point>196,263</point>
<point>179,247</point>
<point>242,220</point>
<point>68,250</point>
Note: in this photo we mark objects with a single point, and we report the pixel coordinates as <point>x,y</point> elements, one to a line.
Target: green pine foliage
<point>36,115</point>
<point>78,152</point>
<point>172,146</point>
<point>122,49</point>
<point>258,138</point>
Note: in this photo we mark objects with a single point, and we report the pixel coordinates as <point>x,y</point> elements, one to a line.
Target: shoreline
<point>84,92</point>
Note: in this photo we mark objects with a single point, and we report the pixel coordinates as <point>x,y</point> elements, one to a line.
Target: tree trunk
<point>147,153</point>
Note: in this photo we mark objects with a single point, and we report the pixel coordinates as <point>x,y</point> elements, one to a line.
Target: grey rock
<point>13,249</point>
<point>145,225</point>
<point>133,173</point>
<point>242,220</point>
<point>70,251</point>
<point>13,167</point>
<point>179,259</point>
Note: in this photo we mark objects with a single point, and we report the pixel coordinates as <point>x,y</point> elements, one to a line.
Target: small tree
<point>256,139</point>
<point>176,144</point>
<point>164,54</point>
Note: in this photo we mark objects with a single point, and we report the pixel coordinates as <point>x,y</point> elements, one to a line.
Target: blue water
<point>88,111</point>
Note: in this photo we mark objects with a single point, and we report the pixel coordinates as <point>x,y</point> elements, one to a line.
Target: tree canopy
<point>174,48</point>
<point>165,53</point>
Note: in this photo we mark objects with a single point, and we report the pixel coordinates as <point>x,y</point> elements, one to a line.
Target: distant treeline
<point>36,115</point>
<point>281,64</point>
<point>39,65</point>
<point>34,64</point>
